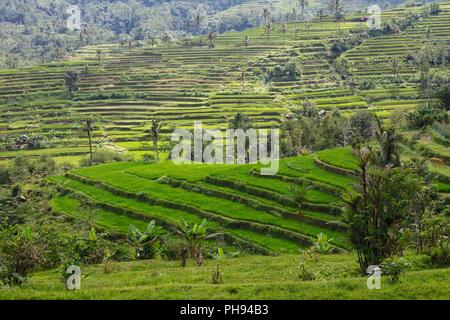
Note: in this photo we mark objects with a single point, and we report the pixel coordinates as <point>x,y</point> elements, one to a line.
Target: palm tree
<point>267,30</point>
<point>299,195</point>
<point>71,78</point>
<point>155,131</point>
<point>198,21</point>
<point>89,128</point>
<point>266,14</point>
<point>337,9</point>
<point>321,15</point>
<point>246,44</point>
<point>395,64</point>
<point>99,54</point>
<point>389,142</point>
<point>303,5</point>
<point>283,30</point>
<point>211,37</point>
<point>242,78</point>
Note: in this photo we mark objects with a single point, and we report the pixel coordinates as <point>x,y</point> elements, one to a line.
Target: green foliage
<point>444,96</point>
<point>394,268</point>
<point>171,248</point>
<point>21,252</point>
<point>322,244</point>
<point>360,128</point>
<point>240,121</point>
<point>5,177</point>
<point>145,242</point>
<point>104,156</point>
<point>194,236</point>
<point>425,115</point>
<point>289,71</point>
<point>303,134</point>
<point>305,273</point>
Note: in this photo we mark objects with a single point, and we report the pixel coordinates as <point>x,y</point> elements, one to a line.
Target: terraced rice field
<point>251,210</point>
<point>131,85</point>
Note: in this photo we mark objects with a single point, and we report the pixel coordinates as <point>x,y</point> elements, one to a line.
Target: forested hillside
<point>34,31</point>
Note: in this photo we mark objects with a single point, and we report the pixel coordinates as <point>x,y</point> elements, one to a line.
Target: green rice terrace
<point>87,176</point>
<point>126,85</point>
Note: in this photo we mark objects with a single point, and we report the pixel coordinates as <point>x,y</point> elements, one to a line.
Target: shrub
<point>170,248</point>
<point>394,268</point>
<point>284,72</point>
<point>104,156</point>
<point>21,252</point>
<point>5,176</point>
<point>323,244</point>
<point>425,115</point>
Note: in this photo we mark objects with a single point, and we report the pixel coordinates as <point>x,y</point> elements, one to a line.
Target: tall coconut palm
<point>389,142</point>
<point>266,15</point>
<point>303,4</point>
<point>283,30</point>
<point>321,15</point>
<point>395,67</point>
<point>211,37</point>
<point>89,123</point>
<point>267,30</point>
<point>337,10</point>
<point>246,44</point>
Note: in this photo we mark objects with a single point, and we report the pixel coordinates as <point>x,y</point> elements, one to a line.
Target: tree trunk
<point>90,144</point>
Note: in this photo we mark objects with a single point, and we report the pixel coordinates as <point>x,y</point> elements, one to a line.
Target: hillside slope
<point>186,80</point>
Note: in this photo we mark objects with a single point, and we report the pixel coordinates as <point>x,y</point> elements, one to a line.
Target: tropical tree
<point>321,15</point>
<point>388,140</point>
<point>211,37</point>
<point>246,44</point>
<point>242,78</point>
<point>198,20</point>
<point>98,55</point>
<point>337,10</point>
<point>299,194</point>
<point>155,132</point>
<point>303,4</point>
<point>395,67</point>
<point>377,208</point>
<point>240,121</point>
<point>267,30</point>
<point>144,242</point>
<point>89,123</point>
<point>283,30</point>
<point>194,235</point>
<point>266,15</point>
<point>71,78</point>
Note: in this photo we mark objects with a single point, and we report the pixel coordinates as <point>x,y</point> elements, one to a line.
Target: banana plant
<point>194,236</point>
<point>144,242</point>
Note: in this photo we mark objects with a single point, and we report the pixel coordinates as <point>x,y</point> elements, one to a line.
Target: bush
<point>21,252</point>
<point>394,268</point>
<point>284,72</point>
<point>5,176</point>
<point>104,156</point>
<point>170,249</point>
<point>425,115</point>
<point>45,165</point>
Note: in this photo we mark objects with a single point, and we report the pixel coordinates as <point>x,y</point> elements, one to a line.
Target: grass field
<point>243,278</point>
